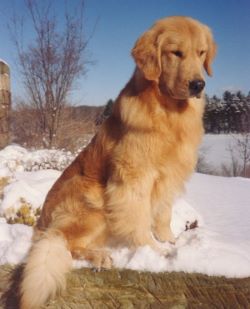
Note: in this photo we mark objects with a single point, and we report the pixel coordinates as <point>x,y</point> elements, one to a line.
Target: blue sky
<point>120,22</point>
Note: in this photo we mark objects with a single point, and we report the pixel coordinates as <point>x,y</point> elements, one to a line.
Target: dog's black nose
<point>196,86</point>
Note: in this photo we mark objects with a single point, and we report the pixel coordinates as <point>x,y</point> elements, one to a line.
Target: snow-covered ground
<point>220,245</point>
<point>215,149</point>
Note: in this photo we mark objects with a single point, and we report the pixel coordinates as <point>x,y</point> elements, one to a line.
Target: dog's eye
<point>202,52</point>
<point>177,53</point>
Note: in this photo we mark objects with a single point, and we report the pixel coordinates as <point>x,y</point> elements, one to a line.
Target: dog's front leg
<point>128,208</point>
<point>161,225</point>
<point>162,200</point>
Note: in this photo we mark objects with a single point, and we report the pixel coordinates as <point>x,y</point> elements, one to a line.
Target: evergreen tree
<point>231,114</point>
<point>106,112</point>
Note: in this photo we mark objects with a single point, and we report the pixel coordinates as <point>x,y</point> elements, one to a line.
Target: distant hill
<point>91,112</point>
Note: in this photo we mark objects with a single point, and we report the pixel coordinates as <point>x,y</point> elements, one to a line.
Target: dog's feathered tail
<point>44,273</point>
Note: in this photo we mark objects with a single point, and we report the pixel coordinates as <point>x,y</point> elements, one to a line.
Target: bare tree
<point>233,169</point>
<point>243,147</point>
<point>202,165</point>
<point>51,63</point>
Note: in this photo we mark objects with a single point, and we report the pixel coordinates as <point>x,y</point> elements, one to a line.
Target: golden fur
<point>122,186</point>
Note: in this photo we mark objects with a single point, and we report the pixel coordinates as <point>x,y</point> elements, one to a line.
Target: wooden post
<point>5,104</point>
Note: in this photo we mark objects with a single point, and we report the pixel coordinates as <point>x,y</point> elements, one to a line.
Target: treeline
<point>229,114</point>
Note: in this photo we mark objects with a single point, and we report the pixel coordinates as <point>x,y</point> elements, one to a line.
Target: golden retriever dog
<point>120,188</point>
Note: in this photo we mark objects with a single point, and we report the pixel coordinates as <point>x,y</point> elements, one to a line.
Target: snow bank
<point>30,187</point>
<point>18,165</point>
<point>15,241</point>
<point>14,158</point>
<point>220,245</point>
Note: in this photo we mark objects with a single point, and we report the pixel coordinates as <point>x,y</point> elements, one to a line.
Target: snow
<point>220,245</point>
<point>17,159</point>
<point>29,186</point>
<point>216,149</point>
<point>15,241</point>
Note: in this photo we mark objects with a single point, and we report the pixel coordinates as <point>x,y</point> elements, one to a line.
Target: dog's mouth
<point>188,90</point>
<point>181,95</point>
<point>198,96</point>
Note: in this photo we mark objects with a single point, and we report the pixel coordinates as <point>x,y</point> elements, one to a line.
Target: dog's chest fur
<point>159,145</point>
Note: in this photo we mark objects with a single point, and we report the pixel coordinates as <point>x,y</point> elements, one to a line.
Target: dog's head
<point>173,53</point>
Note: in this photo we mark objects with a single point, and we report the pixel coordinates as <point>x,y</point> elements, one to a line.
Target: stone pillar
<point>5,104</point>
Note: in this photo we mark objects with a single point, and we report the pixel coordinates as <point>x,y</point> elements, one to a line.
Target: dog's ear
<point>212,48</point>
<point>147,53</point>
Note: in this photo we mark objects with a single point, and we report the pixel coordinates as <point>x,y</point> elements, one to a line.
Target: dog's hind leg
<point>85,230</point>
<point>99,258</point>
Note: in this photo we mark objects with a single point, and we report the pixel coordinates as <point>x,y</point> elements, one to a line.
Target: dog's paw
<point>168,251</point>
<point>102,260</point>
<point>164,234</point>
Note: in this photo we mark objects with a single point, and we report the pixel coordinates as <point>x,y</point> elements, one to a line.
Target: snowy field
<point>216,149</point>
<point>220,245</point>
